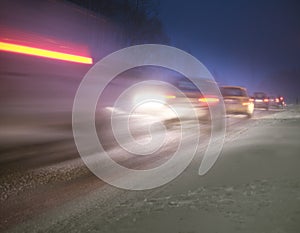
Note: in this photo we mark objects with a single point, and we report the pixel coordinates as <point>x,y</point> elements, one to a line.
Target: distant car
<point>176,100</point>
<point>190,96</point>
<point>237,101</point>
<point>277,102</point>
<point>281,101</point>
<point>260,100</point>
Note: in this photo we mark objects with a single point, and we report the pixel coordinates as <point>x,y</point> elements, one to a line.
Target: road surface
<point>253,187</point>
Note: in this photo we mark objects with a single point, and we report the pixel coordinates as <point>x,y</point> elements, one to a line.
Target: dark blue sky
<point>250,43</point>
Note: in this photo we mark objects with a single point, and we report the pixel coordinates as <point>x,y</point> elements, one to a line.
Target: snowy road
<point>253,187</point>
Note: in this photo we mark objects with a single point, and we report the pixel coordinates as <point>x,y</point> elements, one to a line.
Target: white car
<point>237,101</point>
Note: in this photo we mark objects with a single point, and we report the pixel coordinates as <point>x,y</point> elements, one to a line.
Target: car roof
<point>260,92</point>
<point>237,87</point>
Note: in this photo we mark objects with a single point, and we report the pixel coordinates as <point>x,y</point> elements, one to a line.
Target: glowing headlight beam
<point>9,47</point>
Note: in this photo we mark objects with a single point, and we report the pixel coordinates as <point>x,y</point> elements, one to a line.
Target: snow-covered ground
<point>253,187</point>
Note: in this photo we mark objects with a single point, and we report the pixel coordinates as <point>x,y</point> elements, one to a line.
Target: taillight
<point>266,100</point>
<point>281,98</point>
<point>245,103</point>
<point>251,99</point>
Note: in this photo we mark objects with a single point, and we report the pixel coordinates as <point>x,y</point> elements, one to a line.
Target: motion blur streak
<point>209,100</point>
<point>170,96</point>
<point>9,47</point>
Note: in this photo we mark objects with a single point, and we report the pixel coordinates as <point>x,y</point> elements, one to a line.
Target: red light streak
<point>170,96</point>
<point>28,50</point>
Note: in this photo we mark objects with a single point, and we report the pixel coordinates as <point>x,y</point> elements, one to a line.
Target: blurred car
<point>177,99</point>
<point>281,101</point>
<point>189,96</point>
<point>237,101</point>
<point>277,102</point>
<point>260,100</point>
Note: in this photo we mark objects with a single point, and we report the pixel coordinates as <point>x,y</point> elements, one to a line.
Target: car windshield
<point>259,95</point>
<point>233,91</point>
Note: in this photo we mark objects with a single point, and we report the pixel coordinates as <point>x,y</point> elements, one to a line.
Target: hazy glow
<point>9,47</point>
<point>209,100</point>
<point>266,100</point>
<point>170,96</point>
